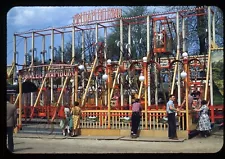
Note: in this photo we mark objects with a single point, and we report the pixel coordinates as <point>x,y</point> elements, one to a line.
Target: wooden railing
<point>96,118</point>
<point>120,119</point>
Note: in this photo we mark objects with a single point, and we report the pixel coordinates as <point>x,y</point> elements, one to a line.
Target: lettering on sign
<point>97,15</point>
<point>39,73</point>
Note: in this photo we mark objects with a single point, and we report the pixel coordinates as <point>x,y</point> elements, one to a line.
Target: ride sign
<point>97,15</point>
<point>40,72</point>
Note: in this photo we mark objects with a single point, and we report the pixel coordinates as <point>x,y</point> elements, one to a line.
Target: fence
<point>121,119</point>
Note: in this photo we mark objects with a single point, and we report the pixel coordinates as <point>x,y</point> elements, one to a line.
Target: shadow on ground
<point>21,149</point>
<point>19,143</point>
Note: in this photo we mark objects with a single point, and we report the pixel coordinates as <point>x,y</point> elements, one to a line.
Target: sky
<point>20,19</point>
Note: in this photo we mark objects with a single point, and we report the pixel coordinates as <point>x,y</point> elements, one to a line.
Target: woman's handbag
<point>71,122</point>
<point>62,124</point>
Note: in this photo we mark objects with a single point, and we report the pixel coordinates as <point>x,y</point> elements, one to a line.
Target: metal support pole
<point>43,50</point>
<point>32,63</point>
<point>14,57</point>
<point>62,59</point>
<point>43,62</point>
<point>156,83</point>
<point>42,85</point>
<point>178,52</point>
<point>209,54</point>
<point>108,94</point>
<point>129,50</point>
<point>183,35</point>
<point>76,83</point>
<point>145,87</point>
<point>148,53</point>
<point>140,89</point>
<point>177,58</point>
<point>32,48</point>
<point>96,54</point>
<point>73,57</point>
<point>211,78</point>
<point>120,60</point>
<point>186,94</point>
<point>83,55</point>
<point>52,59</point>
<point>89,80</point>
<point>25,51</point>
<point>20,101</point>
<point>105,52</point>
<point>60,95</point>
<point>25,63</point>
<point>184,49</point>
<point>121,54</point>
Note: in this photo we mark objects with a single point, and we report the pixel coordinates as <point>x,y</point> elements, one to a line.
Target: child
<point>64,123</point>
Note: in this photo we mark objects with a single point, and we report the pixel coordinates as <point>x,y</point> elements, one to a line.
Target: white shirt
<point>67,112</point>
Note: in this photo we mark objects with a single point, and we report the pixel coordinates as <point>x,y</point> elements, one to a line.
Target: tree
<point>89,37</point>
<point>196,28</point>
<point>138,31</point>
<point>89,49</point>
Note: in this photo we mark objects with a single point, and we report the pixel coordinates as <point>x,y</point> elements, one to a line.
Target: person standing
<point>64,123</point>
<point>171,110</point>
<point>75,122</point>
<point>183,106</point>
<point>197,105</point>
<point>135,118</point>
<point>204,125</point>
<point>11,123</point>
<point>190,101</point>
<point>67,115</point>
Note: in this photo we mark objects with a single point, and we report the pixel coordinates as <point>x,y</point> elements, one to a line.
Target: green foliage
<point>218,70</point>
<point>138,31</point>
<point>196,28</point>
<point>218,78</point>
<point>195,35</point>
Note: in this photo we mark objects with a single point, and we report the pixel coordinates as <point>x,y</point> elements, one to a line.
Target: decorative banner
<point>97,15</point>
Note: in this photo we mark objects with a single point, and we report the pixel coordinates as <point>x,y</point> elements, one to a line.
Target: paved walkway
<point>30,131</point>
<point>95,145</point>
<point>125,138</point>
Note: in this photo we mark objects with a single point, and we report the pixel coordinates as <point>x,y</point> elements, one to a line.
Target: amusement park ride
<point>106,89</point>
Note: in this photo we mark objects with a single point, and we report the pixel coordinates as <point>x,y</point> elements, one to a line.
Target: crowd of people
<point>194,103</point>
<point>70,124</point>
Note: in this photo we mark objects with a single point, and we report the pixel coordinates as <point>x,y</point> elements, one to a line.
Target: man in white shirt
<point>171,110</point>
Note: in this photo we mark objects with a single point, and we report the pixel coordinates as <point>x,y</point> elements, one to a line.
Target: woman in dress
<point>204,125</point>
<point>75,124</point>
